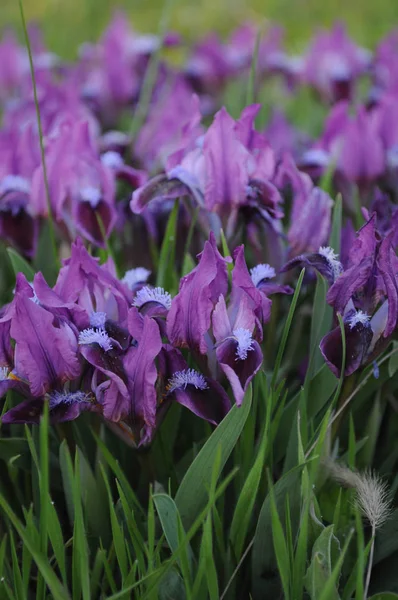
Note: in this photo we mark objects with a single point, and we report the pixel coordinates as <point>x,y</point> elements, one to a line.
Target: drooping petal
<point>207,399</point>
<point>357,338</point>
<point>239,372</point>
<point>157,188</point>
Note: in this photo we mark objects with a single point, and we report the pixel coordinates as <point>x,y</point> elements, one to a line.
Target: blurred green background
<point>67,23</point>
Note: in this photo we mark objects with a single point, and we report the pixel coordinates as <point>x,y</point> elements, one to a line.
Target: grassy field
<point>68,22</point>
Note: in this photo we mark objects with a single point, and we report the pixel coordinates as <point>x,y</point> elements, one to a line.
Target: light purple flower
<point>82,188</point>
<point>189,317</point>
<point>333,64</point>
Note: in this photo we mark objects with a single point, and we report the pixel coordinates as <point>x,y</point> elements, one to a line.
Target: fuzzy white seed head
<point>373,499</point>
<point>134,276</point>
<point>245,342</point>
<point>148,294</point>
<point>260,272</point>
<point>372,495</point>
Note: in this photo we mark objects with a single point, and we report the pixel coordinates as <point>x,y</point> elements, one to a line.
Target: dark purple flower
<point>358,337</point>
<point>63,406</point>
<point>325,261</point>
<point>201,395</point>
<point>238,354</point>
<point>359,272</point>
<point>261,276</point>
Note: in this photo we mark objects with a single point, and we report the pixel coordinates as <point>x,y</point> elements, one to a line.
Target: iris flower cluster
<point>124,348</point>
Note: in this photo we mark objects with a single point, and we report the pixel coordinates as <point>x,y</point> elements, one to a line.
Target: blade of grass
<point>41,138</point>
<point>286,329</point>
<point>151,74</point>
<point>251,87</point>
<point>166,268</point>
<point>44,495</point>
<point>56,588</point>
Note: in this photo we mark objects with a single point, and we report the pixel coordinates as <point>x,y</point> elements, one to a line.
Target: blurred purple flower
<point>333,64</point>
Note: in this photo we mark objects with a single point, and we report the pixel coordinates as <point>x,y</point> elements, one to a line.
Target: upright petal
<point>45,355</point>
<point>189,317</point>
<point>226,161</point>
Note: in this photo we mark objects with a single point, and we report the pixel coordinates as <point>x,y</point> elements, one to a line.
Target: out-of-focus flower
<point>229,171</point>
<point>81,186</point>
<point>333,64</point>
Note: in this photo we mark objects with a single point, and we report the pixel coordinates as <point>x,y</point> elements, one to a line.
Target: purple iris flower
<point>244,289</point>
<point>365,293</point>
<point>230,170</point>
<point>15,75</point>
<point>284,137</point>
<point>325,261</point>
<point>334,63</point>
<point>125,378</point>
<point>351,143</point>
<point>82,188</point>
<point>310,217</point>
<point>385,66</point>
<point>202,395</point>
<point>19,157</point>
<point>63,406</point>
<point>261,276</point>
<point>46,351</point>
<point>189,317</point>
<point>173,123</point>
<point>238,354</point>
<point>358,335</point>
<point>92,286</point>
